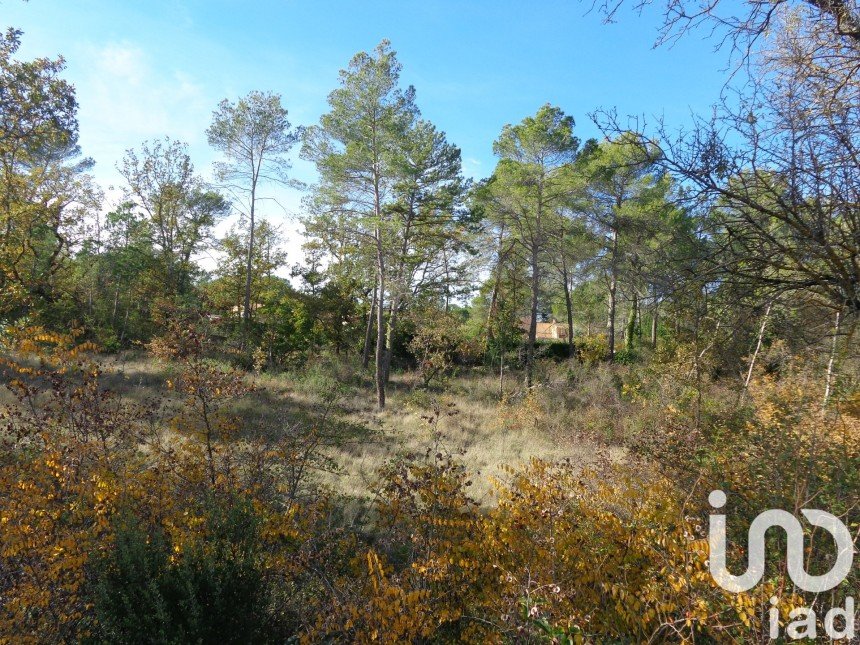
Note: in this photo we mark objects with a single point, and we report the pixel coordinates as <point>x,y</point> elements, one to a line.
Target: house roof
<point>525,320</point>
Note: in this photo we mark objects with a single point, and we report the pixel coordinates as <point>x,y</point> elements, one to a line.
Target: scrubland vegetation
<point>385,448</point>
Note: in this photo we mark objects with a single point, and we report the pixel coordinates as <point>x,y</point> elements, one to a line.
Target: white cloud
<point>472,167</point>
<point>124,99</point>
<point>121,61</point>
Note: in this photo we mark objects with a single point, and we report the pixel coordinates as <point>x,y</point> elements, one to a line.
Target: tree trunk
<point>496,285</point>
<point>631,323</point>
<point>501,375</point>
<point>654,321</point>
<point>569,305</point>
<point>389,337</point>
<point>613,285</point>
<point>493,306</point>
<point>368,334</point>
<point>380,324</point>
<point>829,382</point>
<point>124,325</point>
<point>246,314</point>
<point>396,296</point>
<point>115,306</point>
<point>447,281</point>
<point>530,347</point>
<point>536,248</point>
<point>757,347</point>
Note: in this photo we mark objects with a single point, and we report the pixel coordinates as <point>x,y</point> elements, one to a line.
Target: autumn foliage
<point>113,525</point>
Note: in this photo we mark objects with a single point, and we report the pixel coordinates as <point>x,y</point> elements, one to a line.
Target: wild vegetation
<point>393,445</point>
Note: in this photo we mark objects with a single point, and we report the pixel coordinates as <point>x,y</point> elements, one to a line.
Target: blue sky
<point>152,68</point>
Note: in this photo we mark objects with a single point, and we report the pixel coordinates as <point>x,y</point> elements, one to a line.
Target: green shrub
<point>591,348</point>
<point>553,350</point>
<point>626,356</point>
<point>149,590</point>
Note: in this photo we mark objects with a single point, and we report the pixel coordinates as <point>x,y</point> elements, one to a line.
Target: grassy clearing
<point>552,423</point>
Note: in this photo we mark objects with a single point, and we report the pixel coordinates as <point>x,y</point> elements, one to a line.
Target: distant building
<point>552,330</point>
<point>237,310</point>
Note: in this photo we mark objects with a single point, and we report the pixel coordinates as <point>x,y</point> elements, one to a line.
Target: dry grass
<point>489,433</point>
